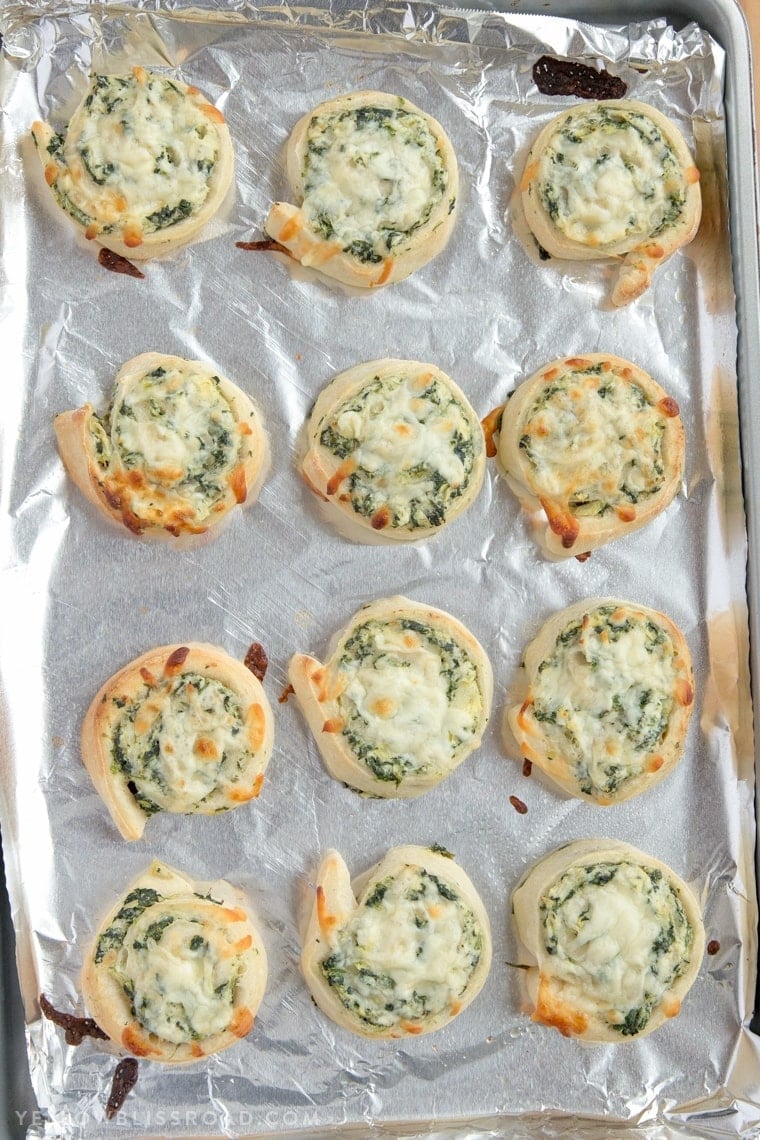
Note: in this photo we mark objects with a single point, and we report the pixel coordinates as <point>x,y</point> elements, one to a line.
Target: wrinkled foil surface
<point>81,598</point>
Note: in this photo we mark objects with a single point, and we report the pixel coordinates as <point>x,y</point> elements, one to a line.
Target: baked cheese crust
<point>183,728</point>
<point>143,165</point>
<point>612,179</point>
<point>179,447</point>
<point>595,445</point>
<point>607,696</point>
<point>403,699</point>
<point>402,950</point>
<point>177,970</point>
<point>616,939</point>
<point>394,446</point>
<point>375,182</point>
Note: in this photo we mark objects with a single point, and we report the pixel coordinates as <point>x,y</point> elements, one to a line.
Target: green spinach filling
<point>581,154</point>
<point>363,168</point>
<point>587,427</point>
<point>606,719</point>
<point>162,763</point>
<point>627,982</point>
<point>387,965</point>
<point>418,491</point>
<point>431,746</point>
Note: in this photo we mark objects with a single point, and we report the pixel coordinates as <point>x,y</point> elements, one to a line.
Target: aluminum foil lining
<point>81,599</point>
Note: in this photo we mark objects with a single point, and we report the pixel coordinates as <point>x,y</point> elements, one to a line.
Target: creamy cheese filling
<point>179,970</point>
<point>408,953</point>
<point>183,744</point>
<point>617,938</point>
<point>608,174</point>
<point>139,148</point>
<point>605,696</point>
<point>410,700</point>
<point>372,178</point>
<point>594,440</point>
<point>170,441</point>
<point>413,445</point>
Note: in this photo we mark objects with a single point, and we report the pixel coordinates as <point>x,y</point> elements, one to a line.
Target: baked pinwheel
<point>400,951</point>
<point>179,447</point>
<point>375,182</point>
<point>615,937</point>
<point>395,447</point>
<point>607,696</point>
<point>144,163</point>
<point>403,699</point>
<point>612,179</point>
<point>177,970</point>
<point>181,729</point>
<point>596,446</point>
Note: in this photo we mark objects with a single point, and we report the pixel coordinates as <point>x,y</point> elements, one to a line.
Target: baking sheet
<point>83,599</point>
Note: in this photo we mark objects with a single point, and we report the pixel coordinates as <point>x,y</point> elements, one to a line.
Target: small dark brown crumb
<point>564,77</point>
<point>286,692</point>
<point>77,1028</point>
<point>256,660</point>
<point>124,1080</point>
<point>177,658</point>
<point>713,946</point>
<point>266,244</point>
<point>583,557</point>
<point>118,264</point>
<point>518,805</point>
<point>527,767</point>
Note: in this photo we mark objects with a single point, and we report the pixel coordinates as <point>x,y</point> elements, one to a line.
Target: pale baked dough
<point>149,187</point>
<point>183,728</point>
<point>375,184</point>
<point>595,445</point>
<point>403,699</point>
<point>606,695</point>
<point>177,970</point>
<point>615,937</point>
<point>395,447</point>
<point>612,179</point>
<point>179,447</point>
<point>400,951</point>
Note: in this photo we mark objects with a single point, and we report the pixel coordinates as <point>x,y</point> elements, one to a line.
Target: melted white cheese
<point>608,174</point>
<point>186,744</point>
<point>413,445</point>
<point>181,975</point>
<point>605,695</point>
<point>411,949</point>
<point>617,945</point>
<point>397,699</point>
<point>594,439</point>
<point>174,426</point>
<point>371,176</point>
<point>140,149</point>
